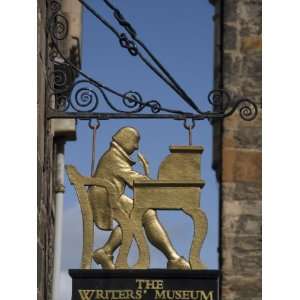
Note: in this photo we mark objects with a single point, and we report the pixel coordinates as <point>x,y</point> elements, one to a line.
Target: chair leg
<point>139,235</point>
<point>88,238</point>
<point>127,237</point>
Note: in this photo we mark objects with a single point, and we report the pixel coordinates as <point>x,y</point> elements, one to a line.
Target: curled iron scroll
<point>84,94</point>
<point>225,106</point>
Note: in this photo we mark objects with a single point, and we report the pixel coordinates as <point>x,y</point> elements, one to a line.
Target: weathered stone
<point>251,66</point>
<point>245,264</point>
<point>248,137</point>
<point>252,88</point>
<point>239,208</point>
<point>245,137</point>
<point>248,224</point>
<point>249,244</point>
<point>239,281</point>
<point>230,10</point>
<point>230,37</point>
<point>250,28</point>
<point>250,296</point>
<point>241,165</point>
<point>251,43</point>
<point>235,286</point>
<point>247,191</point>
<point>228,138</point>
<point>242,241</point>
<point>232,65</point>
<point>243,224</point>
<point>249,10</point>
<point>40,263</point>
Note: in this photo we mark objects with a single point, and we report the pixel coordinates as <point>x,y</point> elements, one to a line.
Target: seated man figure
<point>115,166</point>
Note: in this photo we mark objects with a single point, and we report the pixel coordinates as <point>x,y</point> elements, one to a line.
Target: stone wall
<point>45,217</point>
<point>46,147</point>
<point>238,148</point>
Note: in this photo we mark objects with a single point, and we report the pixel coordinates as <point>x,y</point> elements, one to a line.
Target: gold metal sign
<point>102,200</point>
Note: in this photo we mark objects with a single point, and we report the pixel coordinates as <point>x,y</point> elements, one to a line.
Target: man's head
<point>128,138</point>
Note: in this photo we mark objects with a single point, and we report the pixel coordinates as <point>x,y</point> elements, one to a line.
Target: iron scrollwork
<point>72,91</point>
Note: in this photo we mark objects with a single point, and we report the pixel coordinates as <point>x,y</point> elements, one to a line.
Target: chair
<point>81,183</point>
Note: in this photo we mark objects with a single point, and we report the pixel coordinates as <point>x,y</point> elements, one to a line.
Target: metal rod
<point>94,128</point>
<point>93,151</point>
<point>107,116</point>
<point>189,128</point>
<point>190,136</point>
<point>122,21</point>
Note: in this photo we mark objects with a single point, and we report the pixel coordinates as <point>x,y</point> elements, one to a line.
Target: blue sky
<point>180,33</point>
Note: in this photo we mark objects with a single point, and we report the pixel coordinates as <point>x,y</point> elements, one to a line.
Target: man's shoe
<point>104,259</point>
<point>178,264</point>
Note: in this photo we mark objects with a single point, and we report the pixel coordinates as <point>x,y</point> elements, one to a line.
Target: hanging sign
<point>144,285</point>
<point>177,187</point>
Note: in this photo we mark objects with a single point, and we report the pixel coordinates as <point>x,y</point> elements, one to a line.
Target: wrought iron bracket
<point>72,93</point>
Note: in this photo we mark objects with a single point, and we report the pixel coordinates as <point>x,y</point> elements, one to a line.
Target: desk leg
<point>139,235</point>
<point>200,231</point>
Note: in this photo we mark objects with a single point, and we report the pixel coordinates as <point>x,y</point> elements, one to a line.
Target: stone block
<point>230,10</point>
<point>40,262</point>
<point>246,264</point>
<point>232,122</point>
<point>241,165</point>
<point>247,31</point>
<point>251,43</point>
<point>250,244</point>
<point>231,67</point>
<point>241,224</point>
<point>249,224</point>
<point>241,287</point>
<point>230,37</point>
<point>247,191</point>
<point>227,264</point>
<point>251,88</point>
<point>238,208</point>
<point>249,10</point>
<point>228,188</point>
<point>251,66</point>
<point>234,243</point>
<point>246,138</point>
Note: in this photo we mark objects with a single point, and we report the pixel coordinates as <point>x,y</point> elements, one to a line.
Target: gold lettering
<point>86,294</point>
<point>160,294</point>
<point>160,284</point>
<point>185,295</point>
<point>113,294</point>
<point>138,295</point>
<point>177,294</point>
<point>101,295</point>
<point>139,283</point>
<point>150,284</point>
<point>209,296</point>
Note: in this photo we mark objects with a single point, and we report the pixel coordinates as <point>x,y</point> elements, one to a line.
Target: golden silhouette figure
<point>178,187</point>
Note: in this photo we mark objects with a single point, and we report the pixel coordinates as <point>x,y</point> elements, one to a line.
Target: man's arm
<point>128,175</point>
